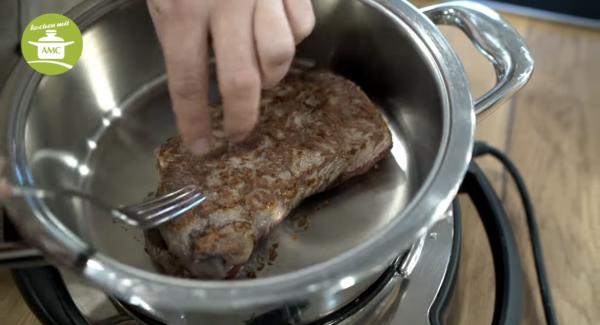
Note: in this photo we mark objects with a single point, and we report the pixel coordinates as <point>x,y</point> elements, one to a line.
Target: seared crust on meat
<point>316,130</point>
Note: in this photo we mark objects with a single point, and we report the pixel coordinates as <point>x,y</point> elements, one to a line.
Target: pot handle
<point>496,39</point>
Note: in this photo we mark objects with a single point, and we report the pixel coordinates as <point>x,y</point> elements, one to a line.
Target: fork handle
<point>15,253</point>
<point>9,190</point>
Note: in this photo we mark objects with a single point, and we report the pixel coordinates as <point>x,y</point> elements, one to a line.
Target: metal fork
<point>143,215</point>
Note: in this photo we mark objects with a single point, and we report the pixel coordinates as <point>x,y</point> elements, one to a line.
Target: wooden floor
<point>551,129</point>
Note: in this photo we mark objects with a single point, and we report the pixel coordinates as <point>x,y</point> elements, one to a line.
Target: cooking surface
<point>547,129</point>
<point>351,213</point>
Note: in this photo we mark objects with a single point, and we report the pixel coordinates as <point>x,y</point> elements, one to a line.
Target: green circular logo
<point>51,44</point>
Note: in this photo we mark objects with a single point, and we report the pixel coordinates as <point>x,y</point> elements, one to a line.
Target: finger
<point>274,41</point>
<point>187,75</point>
<point>183,37</point>
<point>301,17</point>
<point>237,68</point>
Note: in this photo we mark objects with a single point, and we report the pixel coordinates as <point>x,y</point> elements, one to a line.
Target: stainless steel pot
<point>96,128</point>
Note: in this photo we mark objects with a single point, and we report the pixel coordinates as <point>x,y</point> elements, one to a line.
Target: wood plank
<point>555,144</point>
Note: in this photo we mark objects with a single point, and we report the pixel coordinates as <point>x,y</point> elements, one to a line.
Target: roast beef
<point>316,130</point>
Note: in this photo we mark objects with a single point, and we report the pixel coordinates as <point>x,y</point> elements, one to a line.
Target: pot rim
<point>150,290</point>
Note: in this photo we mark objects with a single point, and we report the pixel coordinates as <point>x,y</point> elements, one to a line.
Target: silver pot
<point>96,127</point>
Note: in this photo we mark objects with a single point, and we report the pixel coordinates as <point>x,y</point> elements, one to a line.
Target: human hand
<point>254,43</point>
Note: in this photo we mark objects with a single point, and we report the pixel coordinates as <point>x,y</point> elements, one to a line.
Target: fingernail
<point>200,147</point>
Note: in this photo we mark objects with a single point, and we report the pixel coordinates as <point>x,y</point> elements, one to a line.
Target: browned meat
<point>315,131</point>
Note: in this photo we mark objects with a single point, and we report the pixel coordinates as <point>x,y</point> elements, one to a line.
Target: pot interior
<point>96,129</point>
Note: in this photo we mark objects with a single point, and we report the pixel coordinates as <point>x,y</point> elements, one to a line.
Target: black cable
<point>482,148</point>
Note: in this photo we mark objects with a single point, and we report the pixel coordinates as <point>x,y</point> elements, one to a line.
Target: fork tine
<point>156,200</point>
<point>164,206</point>
<point>178,207</point>
<point>162,200</point>
<point>157,216</point>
